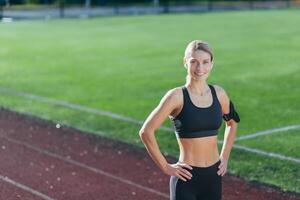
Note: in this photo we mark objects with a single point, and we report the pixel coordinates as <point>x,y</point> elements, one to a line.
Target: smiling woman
<point>196,110</point>
<point>198,55</point>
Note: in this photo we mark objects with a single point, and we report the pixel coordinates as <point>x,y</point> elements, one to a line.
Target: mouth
<point>199,74</point>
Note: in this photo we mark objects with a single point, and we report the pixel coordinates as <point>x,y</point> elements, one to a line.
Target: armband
<point>232,114</point>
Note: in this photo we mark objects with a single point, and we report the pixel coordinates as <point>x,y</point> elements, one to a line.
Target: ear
<point>184,63</point>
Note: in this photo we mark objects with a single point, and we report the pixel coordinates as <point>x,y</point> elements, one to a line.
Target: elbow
<point>232,123</point>
<point>144,134</point>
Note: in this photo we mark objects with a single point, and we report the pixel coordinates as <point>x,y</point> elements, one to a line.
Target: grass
<point>126,64</point>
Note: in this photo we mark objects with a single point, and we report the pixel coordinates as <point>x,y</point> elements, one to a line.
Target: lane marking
<point>134,121</point>
<point>73,106</point>
<point>24,187</point>
<point>84,166</point>
<point>267,132</point>
<point>264,153</point>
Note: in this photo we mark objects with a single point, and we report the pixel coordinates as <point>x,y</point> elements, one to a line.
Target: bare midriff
<point>199,152</point>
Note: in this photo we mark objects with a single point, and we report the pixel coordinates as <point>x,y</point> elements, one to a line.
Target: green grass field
<point>126,64</point>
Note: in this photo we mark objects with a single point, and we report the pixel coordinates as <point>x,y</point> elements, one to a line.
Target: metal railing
<point>62,9</point>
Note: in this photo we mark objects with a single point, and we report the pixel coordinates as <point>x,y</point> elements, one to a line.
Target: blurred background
<point>88,8</point>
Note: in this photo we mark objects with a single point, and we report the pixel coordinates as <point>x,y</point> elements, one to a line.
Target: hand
<point>178,169</point>
<point>222,167</point>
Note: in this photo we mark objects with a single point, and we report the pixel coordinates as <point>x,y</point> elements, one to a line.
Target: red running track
<point>40,161</point>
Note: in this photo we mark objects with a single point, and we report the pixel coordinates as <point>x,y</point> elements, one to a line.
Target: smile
<point>200,74</point>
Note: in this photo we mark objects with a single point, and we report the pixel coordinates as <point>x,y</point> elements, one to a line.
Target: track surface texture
<point>41,161</point>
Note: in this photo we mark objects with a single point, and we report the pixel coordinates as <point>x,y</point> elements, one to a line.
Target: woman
<point>196,110</point>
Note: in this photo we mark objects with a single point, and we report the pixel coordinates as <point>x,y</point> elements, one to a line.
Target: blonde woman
<point>196,110</point>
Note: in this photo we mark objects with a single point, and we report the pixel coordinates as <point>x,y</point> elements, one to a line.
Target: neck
<point>200,87</point>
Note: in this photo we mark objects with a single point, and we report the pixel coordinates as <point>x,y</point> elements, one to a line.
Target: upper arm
<point>167,104</point>
<point>224,101</point>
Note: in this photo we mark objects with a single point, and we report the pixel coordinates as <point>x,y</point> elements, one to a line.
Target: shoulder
<point>220,91</point>
<point>174,95</point>
<point>173,98</point>
<point>222,97</point>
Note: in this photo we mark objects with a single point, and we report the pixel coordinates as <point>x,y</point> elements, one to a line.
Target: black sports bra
<point>193,121</point>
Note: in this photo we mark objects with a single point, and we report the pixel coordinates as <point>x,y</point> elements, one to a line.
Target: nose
<point>200,67</point>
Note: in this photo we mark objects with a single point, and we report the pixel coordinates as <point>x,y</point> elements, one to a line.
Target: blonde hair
<point>198,45</point>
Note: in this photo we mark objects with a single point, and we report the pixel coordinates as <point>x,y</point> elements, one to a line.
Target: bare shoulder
<point>220,91</point>
<point>166,106</point>
<point>222,97</point>
<point>176,92</point>
<point>174,95</point>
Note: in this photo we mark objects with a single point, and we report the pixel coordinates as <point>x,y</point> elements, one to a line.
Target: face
<point>198,65</point>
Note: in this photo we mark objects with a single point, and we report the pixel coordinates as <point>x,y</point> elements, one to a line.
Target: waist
<point>210,169</point>
<point>199,152</point>
<point>200,162</point>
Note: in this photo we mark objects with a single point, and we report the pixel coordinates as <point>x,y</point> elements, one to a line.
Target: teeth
<point>200,74</point>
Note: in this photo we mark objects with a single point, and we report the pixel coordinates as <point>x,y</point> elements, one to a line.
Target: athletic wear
<point>195,121</point>
<point>205,184</point>
<point>232,114</point>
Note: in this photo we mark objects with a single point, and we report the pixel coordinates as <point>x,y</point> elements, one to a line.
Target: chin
<point>200,77</point>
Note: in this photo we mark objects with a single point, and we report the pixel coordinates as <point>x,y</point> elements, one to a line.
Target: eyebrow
<point>207,59</point>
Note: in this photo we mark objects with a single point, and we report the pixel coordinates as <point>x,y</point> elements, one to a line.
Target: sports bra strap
<point>185,94</point>
<point>213,91</point>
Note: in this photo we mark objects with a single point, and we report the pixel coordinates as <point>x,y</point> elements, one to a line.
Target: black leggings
<point>205,184</point>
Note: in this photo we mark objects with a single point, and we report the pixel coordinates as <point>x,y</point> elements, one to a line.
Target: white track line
<point>84,166</point>
<point>264,153</point>
<point>269,154</point>
<point>267,132</point>
<point>75,107</point>
<point>24,187</point>
<point>131,120</point>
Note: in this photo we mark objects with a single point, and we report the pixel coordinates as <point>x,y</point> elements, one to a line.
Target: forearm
<point>152,147</point>
<point>229,136</point>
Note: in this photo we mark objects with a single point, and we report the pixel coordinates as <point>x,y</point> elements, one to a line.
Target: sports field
<point>105,75</point>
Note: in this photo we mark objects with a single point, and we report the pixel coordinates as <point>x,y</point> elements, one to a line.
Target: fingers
<point>221,165</point>
<point>182,172</point>
<point>185,173</point>
<point>181,177</point>
<point>186,166</point>
<point>222,170</point>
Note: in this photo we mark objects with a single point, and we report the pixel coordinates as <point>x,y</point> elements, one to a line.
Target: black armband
<point>232,114</point>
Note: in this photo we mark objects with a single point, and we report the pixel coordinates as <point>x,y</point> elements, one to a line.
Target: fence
<point>92,8</point>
